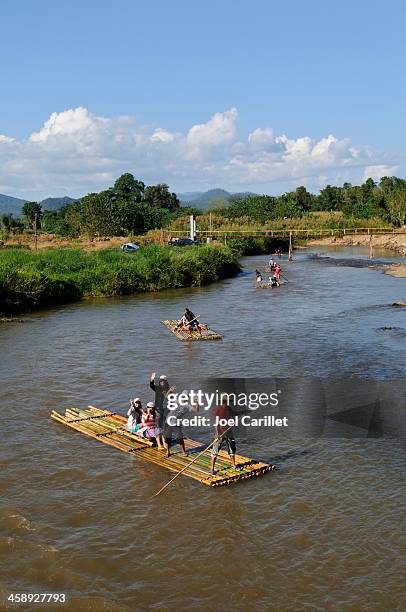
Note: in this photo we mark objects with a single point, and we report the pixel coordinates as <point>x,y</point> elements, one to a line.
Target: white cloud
<point>377,172</point>
<point>75,152</point>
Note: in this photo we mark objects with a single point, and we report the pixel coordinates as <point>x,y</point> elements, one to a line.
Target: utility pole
<point>290,246</point>
<point>192,227</point>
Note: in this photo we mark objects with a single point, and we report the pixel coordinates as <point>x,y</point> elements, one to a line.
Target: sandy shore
<point>391,242</point>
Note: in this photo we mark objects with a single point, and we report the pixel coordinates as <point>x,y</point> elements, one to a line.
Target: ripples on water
<point>324,532</point>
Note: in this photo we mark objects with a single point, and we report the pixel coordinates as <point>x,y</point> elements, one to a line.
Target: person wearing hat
<point>161,391</point>
<point>134,414</point>
<point>149,427</point>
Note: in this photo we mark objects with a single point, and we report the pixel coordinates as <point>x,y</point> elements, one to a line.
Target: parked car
<point>182,241</point>
<point>130,247</point>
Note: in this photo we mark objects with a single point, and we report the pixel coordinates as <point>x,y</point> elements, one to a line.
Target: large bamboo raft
<point>183,334</point>
<point>110,428</point>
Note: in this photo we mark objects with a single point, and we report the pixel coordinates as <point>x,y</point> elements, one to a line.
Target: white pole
<point>192,220</point>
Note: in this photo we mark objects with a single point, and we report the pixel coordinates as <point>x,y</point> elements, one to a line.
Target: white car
<point>130,247</point>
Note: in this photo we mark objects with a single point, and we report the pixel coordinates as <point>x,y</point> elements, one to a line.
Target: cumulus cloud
<point>75,152</point>
<point>378,171</point>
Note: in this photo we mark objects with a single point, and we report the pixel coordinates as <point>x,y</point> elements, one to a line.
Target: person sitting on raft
<point>271,264</point>
<point>148,426</point>
<point>258,277</point>
<point>134,414</point>
<point>224,434</point>
<point>189,322</point>
<point>273,281</point>
<point>278,271</point>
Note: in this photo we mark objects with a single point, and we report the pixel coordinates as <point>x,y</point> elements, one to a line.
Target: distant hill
<point>56,203</point>
<point>189,196</point>
<point>203,200</point>
<point>8,204</point>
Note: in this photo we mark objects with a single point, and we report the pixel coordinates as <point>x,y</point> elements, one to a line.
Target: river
<point>326,531</point>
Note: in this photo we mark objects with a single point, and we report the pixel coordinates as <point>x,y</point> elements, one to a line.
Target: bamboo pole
<point>195,459</point>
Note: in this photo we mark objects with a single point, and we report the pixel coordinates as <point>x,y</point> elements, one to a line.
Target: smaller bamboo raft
<point>110,428</point>
<point>184,334</point>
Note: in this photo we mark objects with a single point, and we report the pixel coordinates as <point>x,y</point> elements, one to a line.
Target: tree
<point>98,215</point>
<point>304,199</point>
<point>127,187</point>
<point>50,221</point>
<point>30,211</point>
<point>159,196</point>
<point>396,202</point>
<point>390,183</point>
<point>330,198</point>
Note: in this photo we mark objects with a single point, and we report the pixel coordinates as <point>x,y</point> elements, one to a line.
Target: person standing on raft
<point>161,391</point>
<point>174,431</point>
<point>224,434</point>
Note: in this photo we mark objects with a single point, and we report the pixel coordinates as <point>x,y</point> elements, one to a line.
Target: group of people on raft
<point>151,422</point>
<point>274,277</point>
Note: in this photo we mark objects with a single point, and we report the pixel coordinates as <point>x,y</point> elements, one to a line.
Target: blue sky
<point>294,70</point>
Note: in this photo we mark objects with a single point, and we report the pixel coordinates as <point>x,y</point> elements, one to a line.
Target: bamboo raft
<point>182,334</point>
<point>110,428</point>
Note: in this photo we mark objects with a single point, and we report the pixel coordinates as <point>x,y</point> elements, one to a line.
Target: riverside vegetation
<point>29,281</point>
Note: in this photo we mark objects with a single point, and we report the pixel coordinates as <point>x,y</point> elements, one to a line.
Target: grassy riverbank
<point>29,281</point>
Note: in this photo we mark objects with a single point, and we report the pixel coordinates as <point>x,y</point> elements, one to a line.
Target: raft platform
<point>110,428</point>
<point>182,334</point>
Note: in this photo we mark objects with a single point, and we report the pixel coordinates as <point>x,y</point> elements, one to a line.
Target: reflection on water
<point>322,532</point>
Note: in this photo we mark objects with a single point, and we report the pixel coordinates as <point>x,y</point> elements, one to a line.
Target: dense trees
<point>396,201</point>
<point>32,211</point>
<point>386,199</point>
<point>130,207</point>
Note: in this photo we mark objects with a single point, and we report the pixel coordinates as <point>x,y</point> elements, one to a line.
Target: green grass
<point>29,281</point>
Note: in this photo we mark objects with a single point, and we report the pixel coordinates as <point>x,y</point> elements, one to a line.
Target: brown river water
<point>324,532</point>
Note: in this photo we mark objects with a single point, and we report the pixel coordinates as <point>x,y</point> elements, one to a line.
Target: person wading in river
<point>258,276</point>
